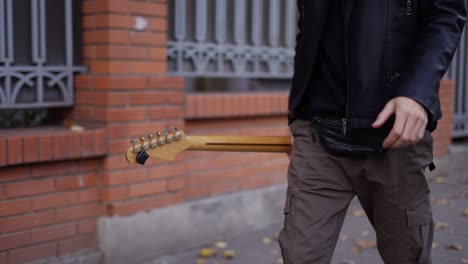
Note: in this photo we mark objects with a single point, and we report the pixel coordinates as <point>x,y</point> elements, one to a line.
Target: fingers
<point>409,127</point>
<point>388,111</point>
<point>397,131</point>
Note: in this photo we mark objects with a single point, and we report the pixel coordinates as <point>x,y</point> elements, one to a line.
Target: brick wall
<point>54,183</point>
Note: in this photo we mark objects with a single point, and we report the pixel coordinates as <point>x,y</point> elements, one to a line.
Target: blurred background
<point>80,78</point>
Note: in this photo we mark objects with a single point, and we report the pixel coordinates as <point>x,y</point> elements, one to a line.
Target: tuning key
<point>177,134</point>
<point>136,147</point>
<point>153,142</point>
<point>166,132</point>
<point>161,139</point>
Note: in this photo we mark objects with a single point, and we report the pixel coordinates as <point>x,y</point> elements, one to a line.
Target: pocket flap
<point>289,197</point>
<point>419,217</point>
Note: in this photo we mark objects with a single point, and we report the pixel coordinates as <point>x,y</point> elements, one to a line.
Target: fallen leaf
<point>221,244</point>
<point>207,252</point>
<point>441,225</point>
<point>365,233</point>
<point>455,247</point>
<point>465,194</point>
<point>465,212</point>
<point>280,261</point>
<point>200,261</point>
<point>364,244</point>
<point>439,180</point>
<point>229,254</point>
<point>266,240</point>
<point>464,261</point>
<point>441,201</point>
<point>359,213</point>
<point>435,245</point>
<point>343,237</point>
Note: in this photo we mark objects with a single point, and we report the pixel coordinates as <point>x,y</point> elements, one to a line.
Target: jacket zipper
<point>409,7</point>
<point>346,11</point>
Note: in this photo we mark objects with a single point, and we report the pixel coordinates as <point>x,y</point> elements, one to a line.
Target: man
<point>363,103</point>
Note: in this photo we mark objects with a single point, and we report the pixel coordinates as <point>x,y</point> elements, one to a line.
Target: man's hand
<point>410,122</point>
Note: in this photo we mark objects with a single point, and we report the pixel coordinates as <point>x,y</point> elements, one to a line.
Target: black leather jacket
<point>393,48</point>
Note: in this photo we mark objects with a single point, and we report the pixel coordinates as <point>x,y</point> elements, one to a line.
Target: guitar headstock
<point>164,146</point>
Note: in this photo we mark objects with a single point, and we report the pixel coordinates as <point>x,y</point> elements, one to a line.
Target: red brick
<point>115,162</point>
<point>3,258</point>
<point>89,165</point>
<point>77,244</point>
<point>100,142</point>
<point>15,150</point>
<point>87,143</point>
<point>123,114</point>
<point>87,227</point>
<point>60,146</point>
<point>53,169</point>
<point>197,192</point>
<point>115,193</point>
<point>30,149</point>
<point>105,37</point>
<point>165,112</point>
<point>73,144</point>
<point>54,200</point>
<point>143,98</point>
<point>166,82</point>
<point>26,188</point>
<point>167,171</point>
<point>135,206</point>
<point>146,38</point>
<point>13,207</point>
<point>14,240</point>
<point>88,195</point>
<point>124,177</point>
<point>157,24</point>
<point>107,21</point>
<point>176,184</point>
<point>109,67</point>
<point>3,152</point>
<point>79,212</point>
<point>53,233</point>
<point>147,188</point>
<point>149,9</point>
<point>26,221</point>
<point>76,182</point>
<point>14,173</point>
<point>147,67</point>
<point>119,83</point>
<point>45,148</point>
<point>32,253</point>
<point>122,52</point>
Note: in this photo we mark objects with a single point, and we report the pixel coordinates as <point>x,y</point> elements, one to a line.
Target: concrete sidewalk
<point>449,187</point>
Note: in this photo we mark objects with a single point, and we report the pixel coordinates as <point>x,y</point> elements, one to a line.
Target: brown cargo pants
<point>391,188</point>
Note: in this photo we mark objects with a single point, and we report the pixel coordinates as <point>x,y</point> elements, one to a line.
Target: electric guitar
<point>167,145</point>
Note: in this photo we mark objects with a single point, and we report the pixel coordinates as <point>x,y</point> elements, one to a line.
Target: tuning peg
<point>166,132</point>
<point>142,139</point>
<point>161,139</point>
<point>158,134</point>
<point>136,147</point>
<point>153,142</point>
<point>174,130</point>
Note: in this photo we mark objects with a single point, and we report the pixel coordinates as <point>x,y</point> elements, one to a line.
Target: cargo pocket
<point>286,237</point>
<point>420,233</point>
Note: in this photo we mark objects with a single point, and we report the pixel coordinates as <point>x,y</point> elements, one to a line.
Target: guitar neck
<point>240,143</point>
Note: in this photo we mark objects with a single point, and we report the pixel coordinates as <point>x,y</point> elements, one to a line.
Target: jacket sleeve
<point>442,26</point>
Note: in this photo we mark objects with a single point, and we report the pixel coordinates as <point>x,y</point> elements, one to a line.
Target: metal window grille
<point>38,53</point>
<point>459,73</point>
<point>232,38</point>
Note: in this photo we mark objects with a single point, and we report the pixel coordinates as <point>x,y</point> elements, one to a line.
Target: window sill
<point>222,105</point>
<point>30,145</point>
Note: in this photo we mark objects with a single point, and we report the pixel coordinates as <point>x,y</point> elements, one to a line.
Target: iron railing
<point>459,73</point>
<point>38,55</point>
<point>232,38</point>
